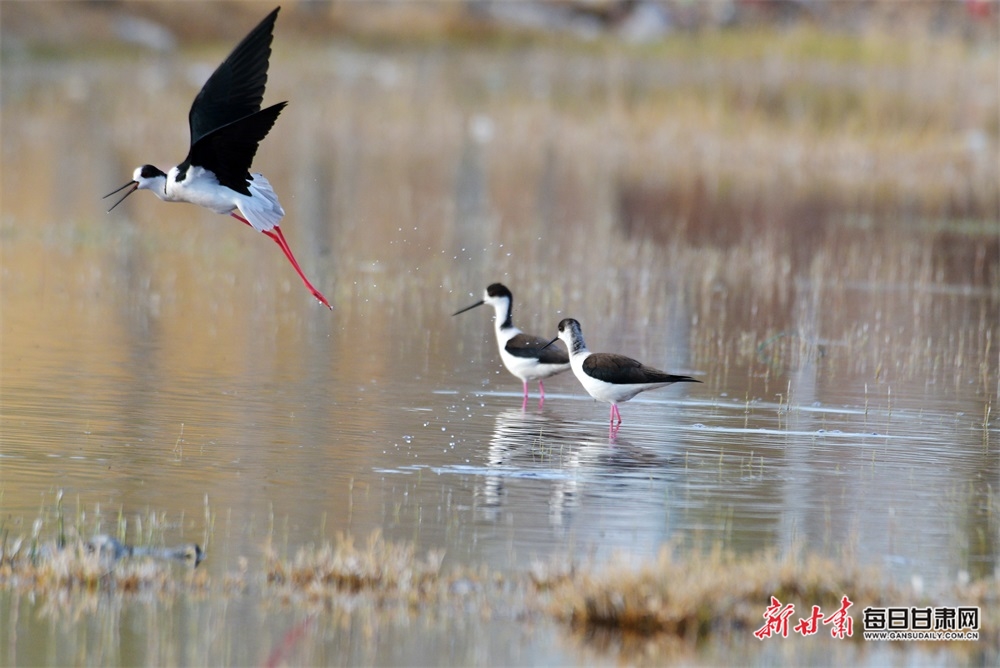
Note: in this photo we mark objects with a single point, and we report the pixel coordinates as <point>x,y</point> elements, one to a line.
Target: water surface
<point>164,359</point>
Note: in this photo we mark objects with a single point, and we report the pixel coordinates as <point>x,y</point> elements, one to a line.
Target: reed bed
<point>75,568</point>
<point>712,596</point>
<point>379,567</point>
<point>718,594</point>
<point>73,555</point>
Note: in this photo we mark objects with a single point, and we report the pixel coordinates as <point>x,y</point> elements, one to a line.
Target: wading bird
<point>227,124</point>
<point>608,376</point>
<point>527,357</point>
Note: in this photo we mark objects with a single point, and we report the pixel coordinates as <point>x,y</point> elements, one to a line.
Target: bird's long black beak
<point>469,308</point>
<point>549,343</point>
<point>134,184</point>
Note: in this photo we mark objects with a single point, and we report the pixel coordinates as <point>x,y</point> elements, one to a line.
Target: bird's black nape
<point>236,88</point>
<point>151,171</point>
<point>499,290</point>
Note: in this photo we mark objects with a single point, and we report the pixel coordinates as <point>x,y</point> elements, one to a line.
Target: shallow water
<point>163,359</point>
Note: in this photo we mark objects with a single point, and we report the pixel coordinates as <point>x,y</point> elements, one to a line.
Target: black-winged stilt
<point>608,376</point>
<point>527,357</point>
<point>227,124</point>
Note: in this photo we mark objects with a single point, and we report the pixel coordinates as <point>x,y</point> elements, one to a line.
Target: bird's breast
<point>199,186</point>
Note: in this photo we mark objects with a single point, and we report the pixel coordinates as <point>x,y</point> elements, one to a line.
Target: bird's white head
<point>499,297</point>
<point>146,177</point>
<point>571,334</point>
<point>149,177</point>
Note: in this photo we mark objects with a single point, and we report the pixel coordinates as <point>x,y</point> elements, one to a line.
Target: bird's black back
<point>622,370</point>
<point>236,88</point>
<point>526,345</point>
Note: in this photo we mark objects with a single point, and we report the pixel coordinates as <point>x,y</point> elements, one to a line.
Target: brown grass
<point>715,596</point>
<point>379,566</point>
<point>74,568</point>
<point>696,598</point>
<point>664,608</point>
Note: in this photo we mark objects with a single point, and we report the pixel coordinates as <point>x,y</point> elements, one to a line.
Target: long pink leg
<point>279,238</point>
<point>615,414</point>
<point>524,401</point>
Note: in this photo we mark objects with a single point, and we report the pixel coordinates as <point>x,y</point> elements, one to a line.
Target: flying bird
<point>227,124</point>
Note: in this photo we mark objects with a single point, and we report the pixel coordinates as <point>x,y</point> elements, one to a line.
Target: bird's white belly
<point>202,188</point>
<point>609,392</point>
<point>528,368</point>
<point>616,393</point>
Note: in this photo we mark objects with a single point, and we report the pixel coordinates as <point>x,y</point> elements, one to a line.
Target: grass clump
<point>671,603</point>
<point>697,598</point>
<point>379,566</point>
<point>668,603</point>
<point>69,562</point>
<point>81,566</point>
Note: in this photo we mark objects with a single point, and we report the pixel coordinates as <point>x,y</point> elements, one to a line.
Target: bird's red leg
<point>615,414</point>
<point>279,238</point>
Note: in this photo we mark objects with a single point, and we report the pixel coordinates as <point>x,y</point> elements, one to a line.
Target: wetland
<point>807,224</point>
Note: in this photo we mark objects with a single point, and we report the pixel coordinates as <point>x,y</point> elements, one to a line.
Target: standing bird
<point>527,357</point>
<point>608,376</point>
<point>227,124</point>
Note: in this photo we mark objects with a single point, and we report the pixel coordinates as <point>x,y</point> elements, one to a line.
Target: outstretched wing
<point>228,151</point>
<point>236,88</point>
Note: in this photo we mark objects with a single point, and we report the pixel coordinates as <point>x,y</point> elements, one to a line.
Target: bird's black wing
<point>622,370</point>
<point>228,151</point>
<point>525,345</point>
<point>236,88</point>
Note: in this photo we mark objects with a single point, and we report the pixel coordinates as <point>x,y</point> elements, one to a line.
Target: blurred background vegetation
<point>75,24</point>
<point>726,120</point>
<point>761,130</point>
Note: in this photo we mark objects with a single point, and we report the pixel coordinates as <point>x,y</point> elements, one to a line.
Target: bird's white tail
<point>262,208</point>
